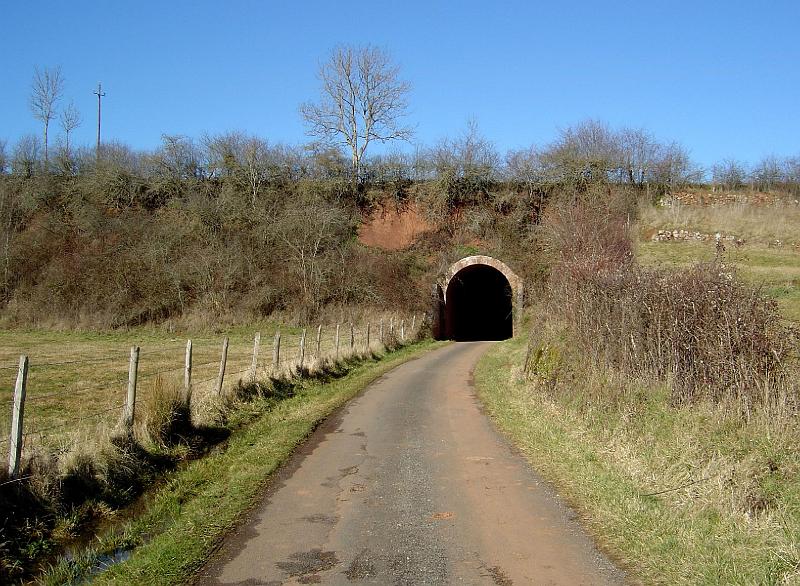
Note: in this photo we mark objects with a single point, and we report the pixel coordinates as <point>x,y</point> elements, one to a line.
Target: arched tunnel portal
<point>479,298</point>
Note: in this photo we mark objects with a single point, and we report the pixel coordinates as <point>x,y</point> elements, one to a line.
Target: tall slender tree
<point>46,90</point>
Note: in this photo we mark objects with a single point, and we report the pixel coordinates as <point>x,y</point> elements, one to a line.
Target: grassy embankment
<point>729,508</point>
<point>188,514</point>
<point>692,493</point>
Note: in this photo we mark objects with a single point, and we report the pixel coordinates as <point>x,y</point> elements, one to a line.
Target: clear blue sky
<point>722,78</point>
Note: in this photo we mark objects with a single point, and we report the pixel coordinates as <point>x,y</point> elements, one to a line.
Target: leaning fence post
<point>319,343</point>
<point>187,374</point>
<point>276,351</point>
<point>352,337</point>
<point>337,341</point>
<point>302,349</point>
<point>256,348</point>
<point>17,415</point>
<point>367,345</point>
<point>222,362</point>
<point>130,402</point>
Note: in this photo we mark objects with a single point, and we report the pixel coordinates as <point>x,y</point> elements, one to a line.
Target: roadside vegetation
<point>69,497</point>
<point>661,398</point>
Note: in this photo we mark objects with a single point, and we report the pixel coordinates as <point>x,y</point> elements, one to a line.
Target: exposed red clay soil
<point>391,228</point>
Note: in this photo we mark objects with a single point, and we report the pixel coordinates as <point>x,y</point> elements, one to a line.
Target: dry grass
<point>679,495</point>
<point>755,223</point>
<point>78,381</point>
<point>664,404</point>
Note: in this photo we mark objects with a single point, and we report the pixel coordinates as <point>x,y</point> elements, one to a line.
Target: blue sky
<point>722,78</point>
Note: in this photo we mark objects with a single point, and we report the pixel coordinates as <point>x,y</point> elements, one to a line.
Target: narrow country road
<point>411,484</point>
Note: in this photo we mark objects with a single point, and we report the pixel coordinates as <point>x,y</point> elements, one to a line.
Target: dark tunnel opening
<point>478,305</point>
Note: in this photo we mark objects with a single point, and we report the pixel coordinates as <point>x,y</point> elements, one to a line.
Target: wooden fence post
<point>256,348</point>
<point>318,354</point>
<point>413,323</point>
<point>222,362</point>
<point>276,351</point>
<point>380,336</point>
<point>391,326</point>
<point>337,341</point>
<point>17,416</point>
<point>302,349</point>
<point>187,374</point>
<point>403,331</point>
<point>367,344</point>
<point>352,337</point>
<point>130,402</point>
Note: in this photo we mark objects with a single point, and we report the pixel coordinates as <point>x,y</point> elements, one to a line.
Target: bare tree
<point>46,89</point>
<point>524,166</point>
<point>639,152</point>
<point>767,174</point>
<point>70,120</point>
<point>255,164</point>
<point>25,155</point>
<point>729,174</point>
<point>363,100</point>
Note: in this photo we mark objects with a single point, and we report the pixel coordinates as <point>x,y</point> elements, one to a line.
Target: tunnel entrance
<point>479,305</point>
<point>478,298</point>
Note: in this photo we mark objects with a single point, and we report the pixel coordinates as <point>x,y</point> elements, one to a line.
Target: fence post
<point>337,341</point>
<point>413,323</point>
<point>187,374</point>
<point>403,331</point>
<point>391,326</point>
<point>318,354</point>
<point>302,349</point>
<point>380,336</point>
<point>367,346</point>
<point>130,402</point>
<point>17,415</point>
<point>352,337</point>
<point>222,362</point>
<point>276,351</point>
<point>256,348</point>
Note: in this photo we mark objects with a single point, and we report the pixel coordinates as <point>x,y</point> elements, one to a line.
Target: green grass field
<point>77,381</point>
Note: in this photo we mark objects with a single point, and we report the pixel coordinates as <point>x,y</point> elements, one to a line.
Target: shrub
<point>702,330</point>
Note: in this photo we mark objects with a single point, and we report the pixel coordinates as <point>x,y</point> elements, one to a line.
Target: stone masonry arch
<point>473,269</point>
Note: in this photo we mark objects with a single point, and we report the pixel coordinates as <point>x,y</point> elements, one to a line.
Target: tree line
<point>586,153</point>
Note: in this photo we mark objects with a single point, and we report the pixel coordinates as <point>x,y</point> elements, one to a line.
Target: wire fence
<point>61,399</point>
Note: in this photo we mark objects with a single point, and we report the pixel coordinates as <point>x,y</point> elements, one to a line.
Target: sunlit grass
<point>691,495</point>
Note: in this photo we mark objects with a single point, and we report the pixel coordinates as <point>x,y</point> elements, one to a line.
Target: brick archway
<point>468,267</point>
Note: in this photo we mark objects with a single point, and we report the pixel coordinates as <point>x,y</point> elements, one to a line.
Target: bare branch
<point>363,100</point>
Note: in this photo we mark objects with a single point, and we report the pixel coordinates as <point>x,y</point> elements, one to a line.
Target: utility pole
<point>99,93</point>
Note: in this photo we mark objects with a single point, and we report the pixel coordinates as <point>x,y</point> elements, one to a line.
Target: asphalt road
<point>411,484</point>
